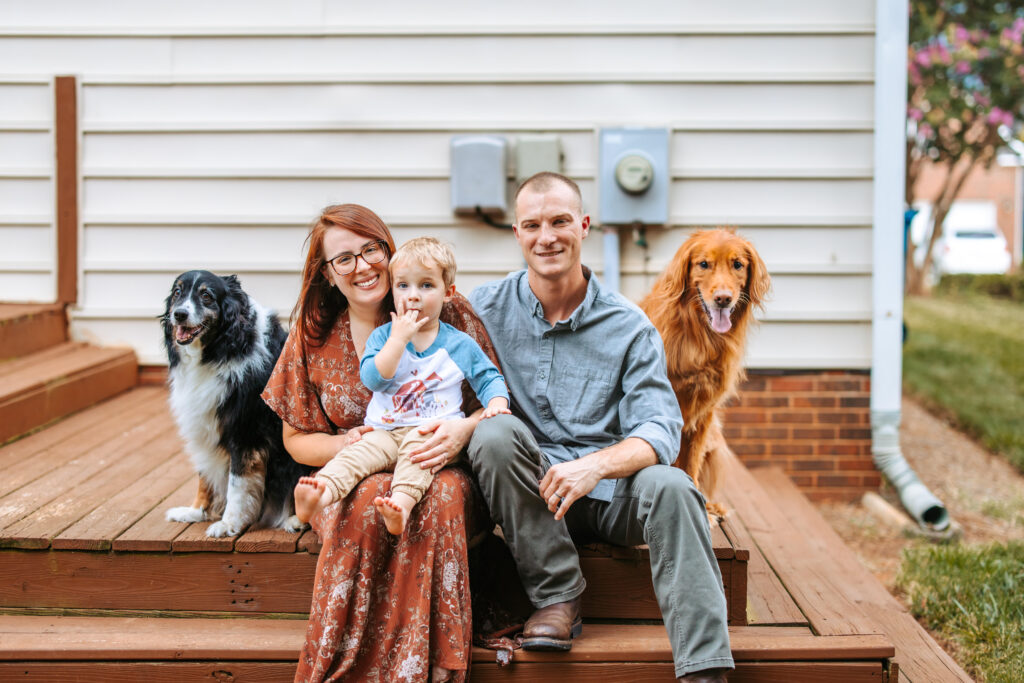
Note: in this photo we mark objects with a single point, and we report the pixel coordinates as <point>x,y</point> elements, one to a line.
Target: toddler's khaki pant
<point>379,451</point>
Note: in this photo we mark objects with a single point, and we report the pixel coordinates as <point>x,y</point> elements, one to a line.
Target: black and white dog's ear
<point>234,311</point>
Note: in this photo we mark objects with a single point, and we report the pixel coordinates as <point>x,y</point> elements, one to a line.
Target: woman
<point>384,608</point>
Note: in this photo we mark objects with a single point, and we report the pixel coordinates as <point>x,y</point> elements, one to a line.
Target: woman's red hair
<point>320,303</point>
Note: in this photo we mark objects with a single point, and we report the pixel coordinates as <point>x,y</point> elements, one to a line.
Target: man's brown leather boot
<point>553,627</point>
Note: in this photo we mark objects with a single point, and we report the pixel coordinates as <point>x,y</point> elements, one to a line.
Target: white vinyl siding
<point>213,134</point>
<point>27,164</point>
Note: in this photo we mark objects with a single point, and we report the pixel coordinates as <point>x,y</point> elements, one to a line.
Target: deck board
<point>807,574</point>
<point>168,470</point>
<point>115,551</point>
<point>92,484</point>
<point>152,532</point>
<point>35,638</point>
<point>768,601</point>
<point>73,468</point>
<point>38,455</point>
<point>919,658</point>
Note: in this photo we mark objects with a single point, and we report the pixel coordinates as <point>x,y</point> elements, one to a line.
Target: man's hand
<point>567,482</point>
<point>450,436</point>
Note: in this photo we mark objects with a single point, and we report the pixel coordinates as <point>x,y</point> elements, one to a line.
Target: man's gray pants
<point>659,506</point>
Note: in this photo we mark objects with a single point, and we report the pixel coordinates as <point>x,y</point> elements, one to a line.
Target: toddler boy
<point>415,366</point>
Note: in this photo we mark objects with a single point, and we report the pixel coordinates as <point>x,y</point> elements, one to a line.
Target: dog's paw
<point>294,525</point>
<point>186,514</point>
<point>223,528</point>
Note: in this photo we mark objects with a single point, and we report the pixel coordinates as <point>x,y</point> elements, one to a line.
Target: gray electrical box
<point>479,173</point>
<point>536,153</point>
<point>633,176</point>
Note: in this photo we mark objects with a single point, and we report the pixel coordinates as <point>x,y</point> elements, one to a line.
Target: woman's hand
<point>316,449</point>
<point>450,437</point>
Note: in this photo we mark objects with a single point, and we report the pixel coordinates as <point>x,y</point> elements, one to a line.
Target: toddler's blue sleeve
<point>368,372</point>
<point>485,379</point>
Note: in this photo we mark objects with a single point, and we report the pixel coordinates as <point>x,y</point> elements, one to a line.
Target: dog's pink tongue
<point>720,321</point>
<point>182,333</point>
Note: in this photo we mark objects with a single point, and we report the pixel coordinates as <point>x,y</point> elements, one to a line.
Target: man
<point>597,425</point>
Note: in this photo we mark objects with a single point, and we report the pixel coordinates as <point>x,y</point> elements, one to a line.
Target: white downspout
<point>891,34</point>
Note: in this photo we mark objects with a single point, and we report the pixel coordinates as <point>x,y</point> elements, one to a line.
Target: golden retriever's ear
<point>758,280</point>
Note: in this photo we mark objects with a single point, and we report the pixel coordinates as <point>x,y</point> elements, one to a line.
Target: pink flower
<point>1000,116</point>
<point>925,131</point>
<point>960,34</point>
<point>914,74</point>
<point>923,58</point>
<point>962,68</point>
<point>915,113</point>
<point>982,100</point>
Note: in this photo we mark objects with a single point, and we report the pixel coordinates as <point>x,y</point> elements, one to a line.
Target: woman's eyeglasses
<point>345,262</point>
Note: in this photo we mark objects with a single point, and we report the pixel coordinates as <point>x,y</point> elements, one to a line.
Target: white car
<point>971,241</point>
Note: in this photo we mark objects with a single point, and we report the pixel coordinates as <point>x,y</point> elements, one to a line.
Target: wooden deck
<point>88,565</point>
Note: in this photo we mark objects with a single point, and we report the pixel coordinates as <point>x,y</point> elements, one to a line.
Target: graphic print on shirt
<point>413,400</point>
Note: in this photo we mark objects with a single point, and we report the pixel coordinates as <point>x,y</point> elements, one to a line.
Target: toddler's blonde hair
<point>428,252</point>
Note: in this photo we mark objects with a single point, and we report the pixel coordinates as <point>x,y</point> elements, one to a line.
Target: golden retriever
<point>702,306</point>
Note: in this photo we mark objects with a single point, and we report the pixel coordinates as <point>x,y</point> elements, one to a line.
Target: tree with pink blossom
<point>965,98</point>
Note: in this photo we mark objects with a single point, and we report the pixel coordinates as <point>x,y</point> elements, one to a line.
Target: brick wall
<point>815,425</point>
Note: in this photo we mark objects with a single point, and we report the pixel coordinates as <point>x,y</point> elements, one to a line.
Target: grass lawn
<point>974,597</point>
<point>964,358</point>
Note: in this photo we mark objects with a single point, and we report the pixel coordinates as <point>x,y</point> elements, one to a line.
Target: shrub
<point>1010,286</point>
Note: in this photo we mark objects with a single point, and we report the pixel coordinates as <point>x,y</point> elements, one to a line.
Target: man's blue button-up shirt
<point>585,383</point>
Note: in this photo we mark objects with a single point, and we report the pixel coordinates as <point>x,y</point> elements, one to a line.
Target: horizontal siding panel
<point>735,202</point>
<point>87,57</point>
<point>26,196</point>
<point>793,296</point>
<point>25,103</point>
<point>716,200</point>
<point>699,152</point>
<point>805,345</point>
<point>478,247</point>
<point>661,104</point>
<point>611,56</point>
<point>693,154</point>
<point>69,15</point>
<point>26,243</point>
<point>821,247</point>
<point>604,12</point>
<point>27,287</point>
<point>26,150</point>
<point>821,345</point>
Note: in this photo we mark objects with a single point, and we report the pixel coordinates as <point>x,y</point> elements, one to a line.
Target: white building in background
<point>212,133</point>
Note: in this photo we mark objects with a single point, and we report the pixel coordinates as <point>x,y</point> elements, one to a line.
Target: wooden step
<point>82,526</point>
<point>43,648</point>
<point>25,328</point>
<point>918,656</point>
<point>46,385</point>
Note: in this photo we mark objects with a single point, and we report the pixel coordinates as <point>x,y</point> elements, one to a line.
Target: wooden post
<point>66,186</point>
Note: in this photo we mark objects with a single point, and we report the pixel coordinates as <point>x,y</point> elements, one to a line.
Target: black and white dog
<point>221,348</point>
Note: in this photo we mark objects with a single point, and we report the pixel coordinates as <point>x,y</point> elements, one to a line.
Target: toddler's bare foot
<point>439,674</point>
<point>308,493</point>
<point>395,510</point>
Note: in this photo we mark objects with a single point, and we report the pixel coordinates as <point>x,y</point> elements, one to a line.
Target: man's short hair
<point>428,252</point>
<point>545,180</point>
